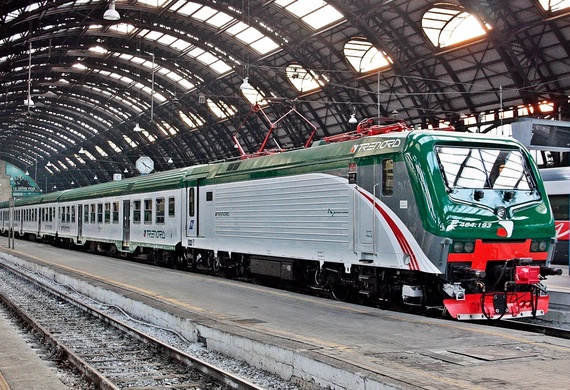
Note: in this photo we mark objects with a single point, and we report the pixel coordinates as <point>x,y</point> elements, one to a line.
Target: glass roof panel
<point>180,44</point>
<point>166,128</point>
<point>302,79</point>
<point>264,45</point>
<point>221,109</point>
<point>70,162</point>
<point>221,67</point>
<point>323,17</point>
<point>154,3</point>
<point>89,155</point>
<point>187,9</point>
<point>446,25</point>
<point>101,151</point>
<point>204,13</point>
<point>554,5</point>
<point>220,19</point>
<point>124,28</point>
<point>363,56</point>
<point>316,14</point>
<point>148,135</point>
<point>249,35</point>
<point>131,143</point>
<point>114,146</point>
<point>166,40</point>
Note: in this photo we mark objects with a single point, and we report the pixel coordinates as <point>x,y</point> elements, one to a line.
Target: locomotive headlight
<point>534,246</point>
<point>457,247</point>
<point>538,246</point>
<point>469,247</point>
<point>463,247</point>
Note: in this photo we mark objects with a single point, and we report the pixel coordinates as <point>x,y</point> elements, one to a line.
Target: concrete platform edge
<point>295,363</point>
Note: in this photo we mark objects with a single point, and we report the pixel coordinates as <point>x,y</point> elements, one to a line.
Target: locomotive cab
<point>497,221</point>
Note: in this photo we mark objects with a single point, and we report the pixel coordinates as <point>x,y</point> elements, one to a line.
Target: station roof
<point>83,95</point>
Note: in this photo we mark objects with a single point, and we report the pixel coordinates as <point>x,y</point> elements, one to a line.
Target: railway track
<point>110,353</point>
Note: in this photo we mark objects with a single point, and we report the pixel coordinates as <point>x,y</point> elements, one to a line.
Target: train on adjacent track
<point>418,219</point>
<point>557,184</point>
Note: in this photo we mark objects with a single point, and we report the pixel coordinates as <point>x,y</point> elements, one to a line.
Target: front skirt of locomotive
<point>499,305</point>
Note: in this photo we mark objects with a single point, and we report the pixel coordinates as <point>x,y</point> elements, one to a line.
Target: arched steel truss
<point>522,60</point>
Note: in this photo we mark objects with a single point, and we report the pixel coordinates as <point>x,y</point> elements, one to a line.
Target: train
<point>557,185</point>
<point>417,220</point>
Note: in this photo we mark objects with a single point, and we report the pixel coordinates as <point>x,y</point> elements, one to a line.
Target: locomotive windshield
<point>475,168</point>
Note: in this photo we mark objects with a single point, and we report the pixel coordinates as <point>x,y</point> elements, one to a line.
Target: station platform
<point>21,368</point>
<point>333,344</point>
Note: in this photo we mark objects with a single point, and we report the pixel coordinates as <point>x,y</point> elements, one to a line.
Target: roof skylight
<point>363,56</point>
<point>304,80</point>
<point>447,25</point>
<point>193,121</point>
<point>221,109</point>
<point>316,14</point>
<point>554,5</point>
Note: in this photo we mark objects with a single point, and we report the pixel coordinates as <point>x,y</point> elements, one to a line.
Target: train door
<point>79,223</point>
<point>364,208</point>
<point>192,211</point>
<point>126,224</point>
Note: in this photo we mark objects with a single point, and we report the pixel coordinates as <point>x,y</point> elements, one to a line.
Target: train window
<point>560,209</point>
<point>475,168</point>
<point>62,214</point>
<point>209,196</point>
<point>67,214</point>
<point>115,212</point>
<point>107,212</point>
<point>51,214</point>
<point>99,212</point>
<point>191,202</point>
<point>92,216</point>
<point>159,210</point>
<point>72,214</point>
<point>148,211</point>
<point>86,213</point>
<point>171,207</point>
<point>137,211</point>
<point>387,177</point>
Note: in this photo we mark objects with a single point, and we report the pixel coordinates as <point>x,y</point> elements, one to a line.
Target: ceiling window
<point>446,25</point>
<point>224,22</point>
<point>101,152</point>
<point>114,146</point>
<point>554,5</point>
<point>191,120</point>
<point>364,57</point>
<point>304,80</point>
<point>315,14</point>
<point>221,109</point>
<point>166,128</point>
<point>69,162</point>
<point>129,141</point>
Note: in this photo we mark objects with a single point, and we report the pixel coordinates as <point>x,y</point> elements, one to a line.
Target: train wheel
<point>397,302</point>
<point>340,292</point>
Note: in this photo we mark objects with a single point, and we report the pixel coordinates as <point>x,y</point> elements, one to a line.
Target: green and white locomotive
<point>418,219</point>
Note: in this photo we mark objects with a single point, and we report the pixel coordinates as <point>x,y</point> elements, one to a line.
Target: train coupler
<point>547,271</point>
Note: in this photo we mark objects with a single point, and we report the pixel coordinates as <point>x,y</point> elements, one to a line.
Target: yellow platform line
<point>3,384</point>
